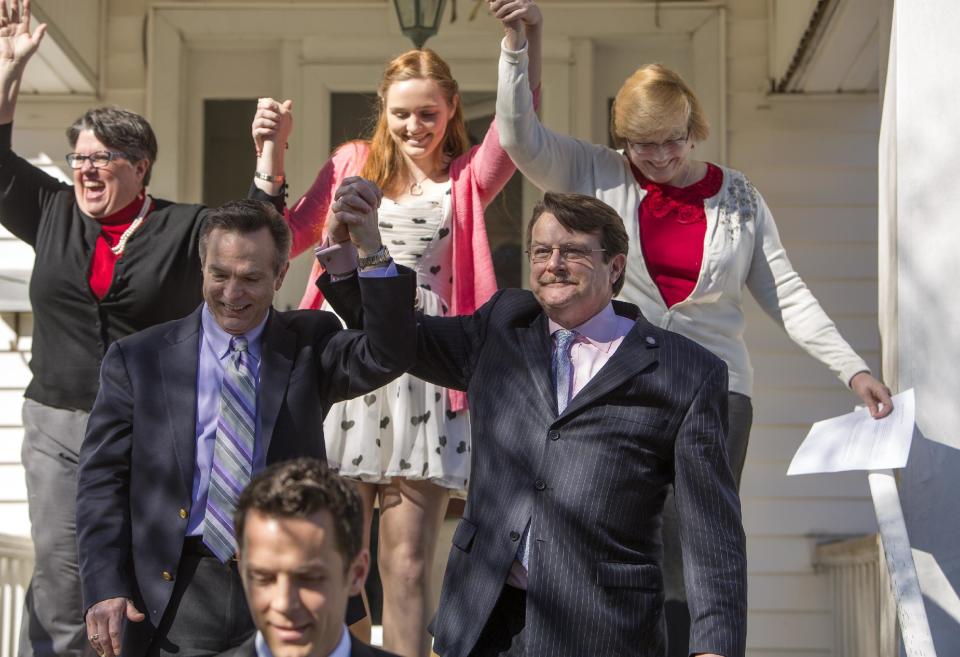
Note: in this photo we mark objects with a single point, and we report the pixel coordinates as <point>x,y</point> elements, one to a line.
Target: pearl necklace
<point>134,225</point>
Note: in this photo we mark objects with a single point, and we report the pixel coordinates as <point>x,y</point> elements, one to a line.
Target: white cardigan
<point>741,245</point>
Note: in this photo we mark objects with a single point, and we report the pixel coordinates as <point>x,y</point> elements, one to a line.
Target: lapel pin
<point>652,341</point>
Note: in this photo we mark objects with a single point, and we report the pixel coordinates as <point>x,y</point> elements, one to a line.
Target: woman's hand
<point>17,44</point>
<point>355,206</point>
<point>516,15</point>
<point>873,393</point>
<point>273,122</point>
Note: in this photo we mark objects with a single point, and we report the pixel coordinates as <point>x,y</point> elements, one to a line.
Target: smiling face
<point>417,116</point>
<point>298,582</point>
<point>240,278</point>
<point>571,292</point>
<point>663,157</point>
<point>101,192</point>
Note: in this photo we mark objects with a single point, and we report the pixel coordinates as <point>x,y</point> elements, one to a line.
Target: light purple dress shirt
<point>214,351</point>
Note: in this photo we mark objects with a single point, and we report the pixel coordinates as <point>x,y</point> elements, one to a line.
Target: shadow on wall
<point>930,503</point>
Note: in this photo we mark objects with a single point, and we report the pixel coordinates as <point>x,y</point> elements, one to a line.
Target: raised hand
<point>17,44</point>
<point>355,206</point>
<point>516,14</point>
<point>272,122</point>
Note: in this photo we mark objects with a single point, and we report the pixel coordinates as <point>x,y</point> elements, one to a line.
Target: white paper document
<point>856,441</point>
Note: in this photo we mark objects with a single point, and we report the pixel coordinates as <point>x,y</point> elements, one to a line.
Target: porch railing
<point>16,566</point>
<point>864,611</point>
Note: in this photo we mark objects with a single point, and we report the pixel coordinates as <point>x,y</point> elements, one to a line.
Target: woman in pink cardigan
<point>407,444</point>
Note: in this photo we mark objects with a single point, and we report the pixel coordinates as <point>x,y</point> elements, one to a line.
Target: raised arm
<point>17,45</point>
<point>271,129</point>
<point>523,27</point>
<point>551,161</point>
<point>24,189</point>
<point>355,362</point>
<point>489,164</point>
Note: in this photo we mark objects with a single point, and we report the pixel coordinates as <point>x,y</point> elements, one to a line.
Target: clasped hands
<point>353,215</point>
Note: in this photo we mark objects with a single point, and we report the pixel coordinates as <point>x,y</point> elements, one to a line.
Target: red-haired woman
<point>407,444</point>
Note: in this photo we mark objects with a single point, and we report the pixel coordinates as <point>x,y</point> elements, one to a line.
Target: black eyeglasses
<point>568,253</point>
<point>98,160</point>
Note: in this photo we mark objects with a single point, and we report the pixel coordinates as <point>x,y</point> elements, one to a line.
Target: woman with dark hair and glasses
<point>699,234</point>
<point>110,261</point>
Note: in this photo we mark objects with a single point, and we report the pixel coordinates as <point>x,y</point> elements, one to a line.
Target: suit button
<point>514,536</point>
<point>183,514</point>
<point>167,577</point>
<point>540,484</point>
<point>554,435</point>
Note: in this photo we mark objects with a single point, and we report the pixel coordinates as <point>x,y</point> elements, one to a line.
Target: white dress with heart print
<point>406,429</point>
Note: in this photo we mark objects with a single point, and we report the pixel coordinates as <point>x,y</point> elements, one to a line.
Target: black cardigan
<point>157,279</point>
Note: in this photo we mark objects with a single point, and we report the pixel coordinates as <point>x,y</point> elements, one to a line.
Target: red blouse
<point>104,260</point>
<point>672,228</point>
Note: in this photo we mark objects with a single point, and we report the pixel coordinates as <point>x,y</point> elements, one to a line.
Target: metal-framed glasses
<point>540,253</point>
<point>98,159</point>
<point>648,148</point>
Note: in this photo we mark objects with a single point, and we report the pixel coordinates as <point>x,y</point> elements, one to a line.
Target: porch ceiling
<point>65,64</point>
<point>839,51</point>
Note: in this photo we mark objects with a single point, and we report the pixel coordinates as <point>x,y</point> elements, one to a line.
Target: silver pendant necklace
<point>134,225</point>
<point>416,189</point>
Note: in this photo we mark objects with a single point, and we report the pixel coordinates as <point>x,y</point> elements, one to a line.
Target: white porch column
<point>920,302</point>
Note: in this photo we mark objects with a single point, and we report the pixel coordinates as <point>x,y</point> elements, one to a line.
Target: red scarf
<point>104,260</point>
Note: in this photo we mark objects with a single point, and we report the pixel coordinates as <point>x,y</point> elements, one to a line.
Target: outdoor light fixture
<point>419,19</point>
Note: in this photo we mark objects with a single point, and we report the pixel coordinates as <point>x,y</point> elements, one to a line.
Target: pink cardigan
<point>476,177</point>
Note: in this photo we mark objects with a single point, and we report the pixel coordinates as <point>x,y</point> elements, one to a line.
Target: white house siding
<point>14,376</point>
<point>815,162</point>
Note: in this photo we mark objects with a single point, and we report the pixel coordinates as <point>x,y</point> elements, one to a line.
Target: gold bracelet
<point>269,178</point>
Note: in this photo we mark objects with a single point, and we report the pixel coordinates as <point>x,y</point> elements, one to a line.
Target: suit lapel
<point>178,367</point>
<point>535,346</point>
<point>276,361</point>
<point>638,351</point>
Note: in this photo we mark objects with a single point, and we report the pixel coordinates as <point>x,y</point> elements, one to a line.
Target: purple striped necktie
<point>233,450</point>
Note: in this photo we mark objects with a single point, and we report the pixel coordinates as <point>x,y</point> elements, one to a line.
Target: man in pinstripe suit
<point>582,414</point>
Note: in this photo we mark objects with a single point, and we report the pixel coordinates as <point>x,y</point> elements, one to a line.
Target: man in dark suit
<point>189,410</point>
<point>582,414</point>
<point>300,539</point>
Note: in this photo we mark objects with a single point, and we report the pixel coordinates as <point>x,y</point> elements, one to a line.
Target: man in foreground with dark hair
<point>299,538</point>
<point>583,413</point>
<point>189,410</point>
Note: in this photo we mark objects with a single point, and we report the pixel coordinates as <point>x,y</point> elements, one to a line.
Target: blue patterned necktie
<point>562,369</point>
<point>563,366</point>
<point>233,451</point>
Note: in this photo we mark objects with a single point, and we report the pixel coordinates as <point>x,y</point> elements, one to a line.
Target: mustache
<point>560,277</point>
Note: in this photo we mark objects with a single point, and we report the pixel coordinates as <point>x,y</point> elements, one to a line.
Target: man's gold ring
<point>94,637</point>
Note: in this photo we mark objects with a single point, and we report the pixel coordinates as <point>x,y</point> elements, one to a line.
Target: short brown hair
<point>653,99</point>
<point>119,129</point>
<point>298,489</point>
<point>586,214</point>
<point>248,216</point>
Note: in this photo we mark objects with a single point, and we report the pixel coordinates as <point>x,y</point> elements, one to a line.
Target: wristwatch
<point>378,258</point>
